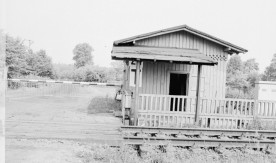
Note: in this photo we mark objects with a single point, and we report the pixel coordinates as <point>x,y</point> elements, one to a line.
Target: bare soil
<point>53,129</point>
<point>41,150</point>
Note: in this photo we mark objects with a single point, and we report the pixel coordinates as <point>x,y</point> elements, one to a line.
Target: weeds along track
<point>190,137</point>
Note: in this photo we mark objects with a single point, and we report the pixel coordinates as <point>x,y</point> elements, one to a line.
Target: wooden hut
<point>175,77</point>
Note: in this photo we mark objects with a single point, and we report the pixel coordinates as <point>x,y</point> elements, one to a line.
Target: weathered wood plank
<point>137,91</point>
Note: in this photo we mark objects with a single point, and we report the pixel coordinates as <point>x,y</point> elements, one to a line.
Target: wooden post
<point>256,101</point>
<point>255,109</point>
<point>123,108</point>
<point>123,89</point>
<point>197,111</point>
<point>127,75</point>
<point>137,84</point>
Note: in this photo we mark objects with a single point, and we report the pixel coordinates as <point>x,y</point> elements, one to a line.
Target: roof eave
<point>161,55</point>
<point>235,48</point>
<point>155,60</point>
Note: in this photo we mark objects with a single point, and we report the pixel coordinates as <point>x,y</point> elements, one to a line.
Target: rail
<point>200,137</point>
<point>179,111</point>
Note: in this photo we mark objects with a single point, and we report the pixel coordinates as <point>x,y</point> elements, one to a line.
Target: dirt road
<point>55,129</point>
<point>105,133</point>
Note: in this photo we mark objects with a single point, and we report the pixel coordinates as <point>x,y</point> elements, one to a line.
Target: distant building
<point>266,90</point>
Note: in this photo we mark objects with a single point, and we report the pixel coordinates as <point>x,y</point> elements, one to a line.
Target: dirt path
<point>39,142</point>
<point>42,151</point>
<point>54,129</point>
<point>105,133</point>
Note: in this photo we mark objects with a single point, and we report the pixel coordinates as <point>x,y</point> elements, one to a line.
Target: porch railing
<point>179,111</point>
<point>226,113</point>
<point>164,110</point>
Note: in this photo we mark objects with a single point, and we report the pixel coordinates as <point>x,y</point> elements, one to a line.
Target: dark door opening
<point>178,86</point>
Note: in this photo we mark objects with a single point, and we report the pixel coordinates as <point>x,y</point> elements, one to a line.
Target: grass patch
<point>103,105</point>
<point>259,124</point>
<point>170,154</point>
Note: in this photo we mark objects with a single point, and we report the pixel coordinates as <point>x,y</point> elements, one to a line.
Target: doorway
<point>179,87</point>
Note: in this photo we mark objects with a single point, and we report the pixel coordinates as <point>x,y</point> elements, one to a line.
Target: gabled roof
<point>230,47</point>
<point>190,56</point>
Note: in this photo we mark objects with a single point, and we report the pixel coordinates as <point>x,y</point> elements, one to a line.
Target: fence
<point>179,111</point>
<point>25,88</point>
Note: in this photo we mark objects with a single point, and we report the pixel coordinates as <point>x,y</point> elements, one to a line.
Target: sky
<point>59,25</point>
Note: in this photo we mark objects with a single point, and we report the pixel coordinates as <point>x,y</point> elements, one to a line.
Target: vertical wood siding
<point>155,79</point>
<point>155,76</point>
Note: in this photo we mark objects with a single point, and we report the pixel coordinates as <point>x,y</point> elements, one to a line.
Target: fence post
<point>255,109</point>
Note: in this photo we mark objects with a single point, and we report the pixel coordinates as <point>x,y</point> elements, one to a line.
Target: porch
<point>180,111</point>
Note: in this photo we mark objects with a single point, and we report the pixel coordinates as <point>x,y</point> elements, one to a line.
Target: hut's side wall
<point>155,76</point>
<point>214,77</point>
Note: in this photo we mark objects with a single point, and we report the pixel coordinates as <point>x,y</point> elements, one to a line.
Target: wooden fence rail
<point>28,87</point>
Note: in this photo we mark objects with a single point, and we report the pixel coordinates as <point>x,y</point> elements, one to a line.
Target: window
<point>132,74</point>
<point>178,84</point>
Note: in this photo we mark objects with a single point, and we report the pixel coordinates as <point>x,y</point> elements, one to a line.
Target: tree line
<point>23,62</point>
<point>242,76</point>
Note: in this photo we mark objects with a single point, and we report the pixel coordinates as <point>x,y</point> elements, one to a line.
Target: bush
<point>258,124</point>
<point>241,94</point>
<point>103,105</point>
<point>88,73</point>
<point>14,85</point>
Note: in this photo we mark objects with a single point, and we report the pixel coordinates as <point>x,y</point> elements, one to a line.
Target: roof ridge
<point>179,28</point>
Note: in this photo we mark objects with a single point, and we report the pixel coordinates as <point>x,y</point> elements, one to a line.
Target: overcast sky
<point>58,25</point>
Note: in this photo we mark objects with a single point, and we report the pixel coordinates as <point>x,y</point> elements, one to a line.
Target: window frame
<point>132,74</point>
<point>178,72</point>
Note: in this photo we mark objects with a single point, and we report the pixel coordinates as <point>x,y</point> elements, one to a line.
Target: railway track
<point>197,137</point>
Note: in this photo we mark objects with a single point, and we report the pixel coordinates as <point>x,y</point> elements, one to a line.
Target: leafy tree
<point>250,70</point>
<point>102,72</point>
<point>234,65</point>
<point>80,74</point>
<point>117,68</point>
<point>252,78</point>
<point>64,71</point>
<point>40,64</point>
<point>16,54</point>
<point>274,59</point>
<point>86,73</point>
<point>90,74</point>
<point>241,76</point>
<point>238,80</point>
<point>83,55</point>
<point>234,73</point>
<point>270,73</point>
<point>22,62</point>
<point>250,66</point>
